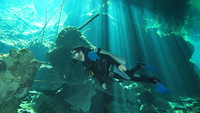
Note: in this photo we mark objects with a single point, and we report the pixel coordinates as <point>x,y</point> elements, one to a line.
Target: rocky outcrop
<point>17,72</point>
<point>74,75</point>
<point>60,56</point>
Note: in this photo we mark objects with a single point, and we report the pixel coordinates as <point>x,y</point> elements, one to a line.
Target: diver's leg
<point>133,70</point>
<point>144,78</point>
<point>117,76</point>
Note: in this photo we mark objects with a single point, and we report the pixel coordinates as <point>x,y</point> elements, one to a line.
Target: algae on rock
<point>17,72</point>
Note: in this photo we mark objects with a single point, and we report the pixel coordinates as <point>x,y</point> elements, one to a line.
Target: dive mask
<point>73,53</point>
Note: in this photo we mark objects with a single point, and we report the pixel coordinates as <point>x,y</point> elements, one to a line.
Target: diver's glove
<point>93,56</point>
<point>104,86</point>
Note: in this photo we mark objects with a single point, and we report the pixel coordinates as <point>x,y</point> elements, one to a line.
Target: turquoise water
<point>162,33</point>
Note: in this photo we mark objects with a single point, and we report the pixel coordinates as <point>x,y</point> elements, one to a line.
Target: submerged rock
<point>17,72</point>
<point>73,75</point>
<point>37,102</point>
<point>60,56</point>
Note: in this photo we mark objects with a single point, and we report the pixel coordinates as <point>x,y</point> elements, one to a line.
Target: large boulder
<point>17,72</point>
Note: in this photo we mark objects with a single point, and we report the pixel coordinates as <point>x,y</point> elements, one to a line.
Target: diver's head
<point>79,53</point>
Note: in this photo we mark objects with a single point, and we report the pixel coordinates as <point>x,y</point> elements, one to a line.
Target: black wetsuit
<point>100,68</point>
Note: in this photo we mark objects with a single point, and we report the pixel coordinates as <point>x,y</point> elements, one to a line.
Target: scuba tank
<point>117,58</point>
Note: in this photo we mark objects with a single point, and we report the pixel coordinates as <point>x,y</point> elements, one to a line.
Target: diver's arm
<point>99,78</point>
<point>103,84</point>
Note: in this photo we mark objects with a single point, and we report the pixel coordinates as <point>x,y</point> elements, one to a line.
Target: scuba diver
<point>102,64</point>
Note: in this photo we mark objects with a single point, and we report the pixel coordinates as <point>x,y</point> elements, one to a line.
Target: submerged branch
<point>88,22</point>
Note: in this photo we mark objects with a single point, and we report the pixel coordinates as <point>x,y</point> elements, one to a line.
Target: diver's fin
<point>147,66</point>
<point>161,88</point>
<point>150,68</point>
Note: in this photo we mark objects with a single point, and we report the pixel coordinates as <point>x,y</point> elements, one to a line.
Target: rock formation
<point>17,72</point>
